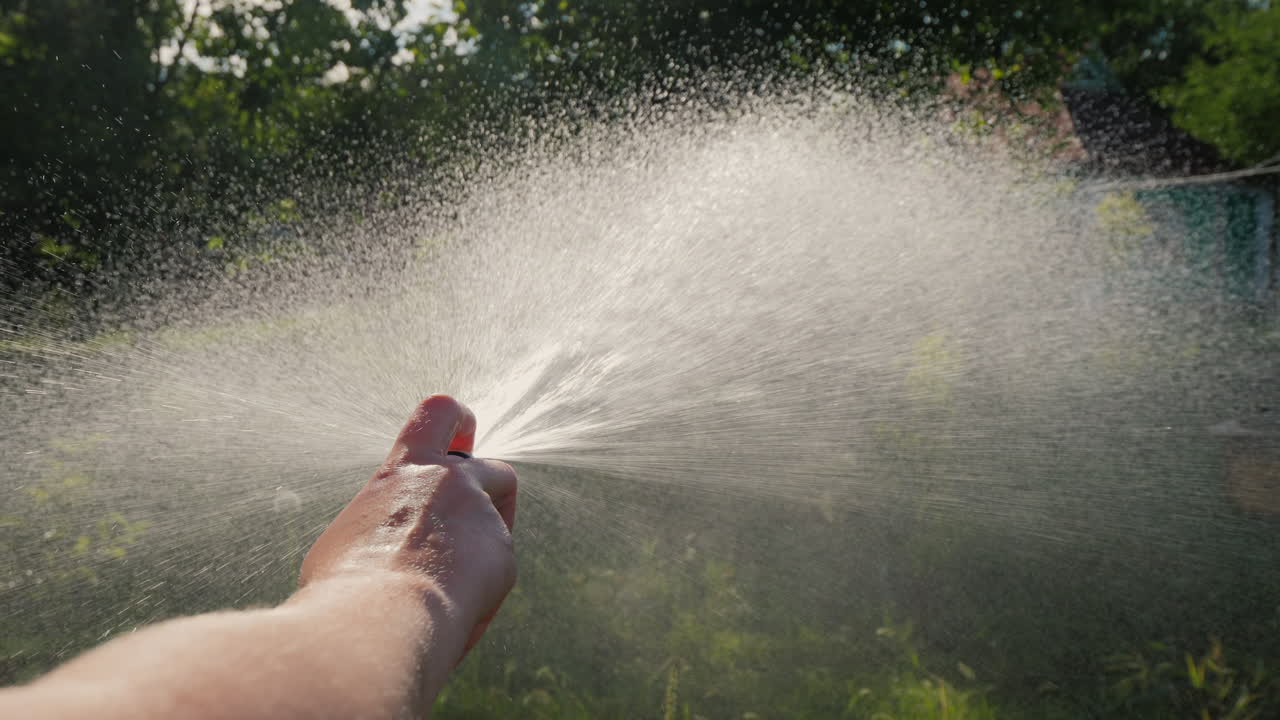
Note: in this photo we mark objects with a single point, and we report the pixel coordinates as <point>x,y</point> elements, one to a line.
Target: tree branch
<point>187,28</point>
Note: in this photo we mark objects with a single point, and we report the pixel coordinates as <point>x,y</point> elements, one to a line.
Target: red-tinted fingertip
<point>465,438</point>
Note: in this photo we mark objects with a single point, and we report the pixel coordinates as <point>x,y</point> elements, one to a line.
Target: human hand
<point>438,522</point>
<point>393,594</point>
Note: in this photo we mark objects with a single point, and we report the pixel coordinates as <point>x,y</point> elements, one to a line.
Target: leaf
<point>1195,672</point>
<point>53,248</point>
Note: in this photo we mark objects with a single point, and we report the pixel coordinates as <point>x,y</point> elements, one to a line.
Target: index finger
<point>498,481</point>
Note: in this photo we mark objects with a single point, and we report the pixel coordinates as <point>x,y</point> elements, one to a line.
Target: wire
<point>1193,180</point>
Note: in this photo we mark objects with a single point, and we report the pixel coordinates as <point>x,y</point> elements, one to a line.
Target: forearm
<point>368,646</point>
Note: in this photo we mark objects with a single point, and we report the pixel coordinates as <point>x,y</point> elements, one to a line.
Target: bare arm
<point>396,590</point>
<point>343,648</point>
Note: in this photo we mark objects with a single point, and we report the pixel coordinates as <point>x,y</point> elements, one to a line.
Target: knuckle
<point>451,477</point>
<point>499,474</point>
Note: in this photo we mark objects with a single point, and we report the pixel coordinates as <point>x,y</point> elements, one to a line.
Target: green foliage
<point>173,116</point>
<point>62,544</point>
<point>931,374</point>
<point>54,507</point>
<point>912,692</point>
<point>651,628</point>
<point>1124,226</point>
<point>1229,94</point>
<point>1161,681</point>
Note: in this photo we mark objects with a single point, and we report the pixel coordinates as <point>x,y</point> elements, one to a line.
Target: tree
<point>151,124</point>
<point>1229,93</point>
<point>140,124</point>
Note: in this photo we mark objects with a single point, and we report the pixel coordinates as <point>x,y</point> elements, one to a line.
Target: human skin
<point>391,597</point>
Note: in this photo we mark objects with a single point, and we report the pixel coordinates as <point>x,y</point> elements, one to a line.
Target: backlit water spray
<point>786,319</point>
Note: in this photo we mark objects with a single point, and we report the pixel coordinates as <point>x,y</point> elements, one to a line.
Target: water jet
<point>796,365</point>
